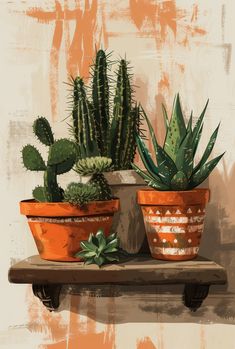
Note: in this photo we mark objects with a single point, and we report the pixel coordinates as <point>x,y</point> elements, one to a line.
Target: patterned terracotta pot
<point>58,228</point>
<point>174,221</point>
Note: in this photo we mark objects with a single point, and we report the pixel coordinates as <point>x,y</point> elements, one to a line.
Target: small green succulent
<point>174,168</point>
<point>94,166</point>
<point>99,249</point>
<point>80,194</point>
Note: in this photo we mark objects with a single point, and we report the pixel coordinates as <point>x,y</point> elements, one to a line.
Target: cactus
<point>114,136</point>
<point>100,101</point>
<point>174,168</point>
<point>99,249</point>
<point>80,194</point>
<point>62,155</point>
<point>83,127</point>
<point>94,167</point>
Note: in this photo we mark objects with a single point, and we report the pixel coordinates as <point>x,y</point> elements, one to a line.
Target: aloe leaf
<point>85,254</point>
<point>184,158</point>
<point>87,246</point>
<point>165,116</point>
<point>112,246</point>
<point>190,123</point>
<point>101,239</point>
<point>166,166</point>
<point>176,130</point>
<point>111,237</point>
<point>153,182</point>
<point>208,149</point>
<point>99,260</point>
<point>90,261</point>
<point>81,254</point>
<point>196,140</point>
<point>146,158</point>
<point>179,181</point>
<point>203,172</point>
<point>198,125</point>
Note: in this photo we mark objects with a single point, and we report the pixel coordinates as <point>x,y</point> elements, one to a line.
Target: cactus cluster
<point>80,194</point>
<point>99,249</point>
<point>94,167</point>
<point>100,125</point>
<point>62,155</point>
<point>174,168</point>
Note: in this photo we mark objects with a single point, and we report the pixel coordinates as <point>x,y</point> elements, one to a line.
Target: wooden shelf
<point>47,277</point>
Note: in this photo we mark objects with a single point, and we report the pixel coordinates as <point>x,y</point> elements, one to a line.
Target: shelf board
<point>139,270</point>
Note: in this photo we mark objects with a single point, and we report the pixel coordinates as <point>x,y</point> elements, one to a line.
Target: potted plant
<point>174,209</point>
<point>106,126</point>
<point>59,220</point>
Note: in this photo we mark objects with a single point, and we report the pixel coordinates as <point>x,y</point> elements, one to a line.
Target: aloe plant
<point>173,167</point>
<point>99,249</point>
<point>94,167</point>
<point>62,155</point>
<point>102,126</point>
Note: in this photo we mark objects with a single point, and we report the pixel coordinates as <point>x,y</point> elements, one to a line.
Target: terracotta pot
<point>173,221</point>
<point>58,228</point>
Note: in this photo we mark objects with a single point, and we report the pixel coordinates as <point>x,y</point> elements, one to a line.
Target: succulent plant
<point>99,249</point>
<point>80,194</point>
<point>174,168</point>
<point>114,124</point>
<point>62,155</point>
<point>94,167</point>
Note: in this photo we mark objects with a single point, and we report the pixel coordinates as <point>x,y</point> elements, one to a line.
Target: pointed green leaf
<point>198,125</point>
<point>147,159</point>
<point>111,237</point>
<point>89,261</point>
<point>190,122</point>
<point>179,181</point>
<point>203,172</point>
<point>85,254</point>
<point>153,182</point>
<point>184,158</point>
<point>101,239</point>
<point>176,130</point>
<point>88,246</point>
<point>99,260</point>
<point>112,246</point>
<point>166,166</point>
<point>208,150</point>
<point>165,116</point>
<point>196,140</point>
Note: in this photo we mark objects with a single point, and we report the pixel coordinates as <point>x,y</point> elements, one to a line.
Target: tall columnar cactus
<point>62,155</point>
<point>114,135</point>
<point>83,127</point>
<point>100,100</point>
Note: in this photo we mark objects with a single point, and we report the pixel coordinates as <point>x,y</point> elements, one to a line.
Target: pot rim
<point>194,196</point>
<point>30,207</point>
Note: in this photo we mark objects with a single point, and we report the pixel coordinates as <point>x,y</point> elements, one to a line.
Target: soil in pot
<point>174,222</point>
<point>58,228</point>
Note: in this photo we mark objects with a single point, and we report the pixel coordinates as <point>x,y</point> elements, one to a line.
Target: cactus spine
<point>62,155</point>
<point>113,136</point>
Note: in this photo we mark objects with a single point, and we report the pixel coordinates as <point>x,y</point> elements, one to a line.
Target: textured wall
<point>181,46</point>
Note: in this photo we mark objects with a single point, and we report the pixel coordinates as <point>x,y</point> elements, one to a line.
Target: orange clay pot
<point>173,221</point>
<point>59,227</point>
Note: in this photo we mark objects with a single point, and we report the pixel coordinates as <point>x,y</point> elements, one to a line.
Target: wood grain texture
<point>140,270</point>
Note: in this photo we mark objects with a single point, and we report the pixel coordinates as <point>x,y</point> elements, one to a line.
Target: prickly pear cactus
<point>62,155</point>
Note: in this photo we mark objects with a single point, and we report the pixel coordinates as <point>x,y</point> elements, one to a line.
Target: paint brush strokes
<point>79,50</point>
<point>158,19</point>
